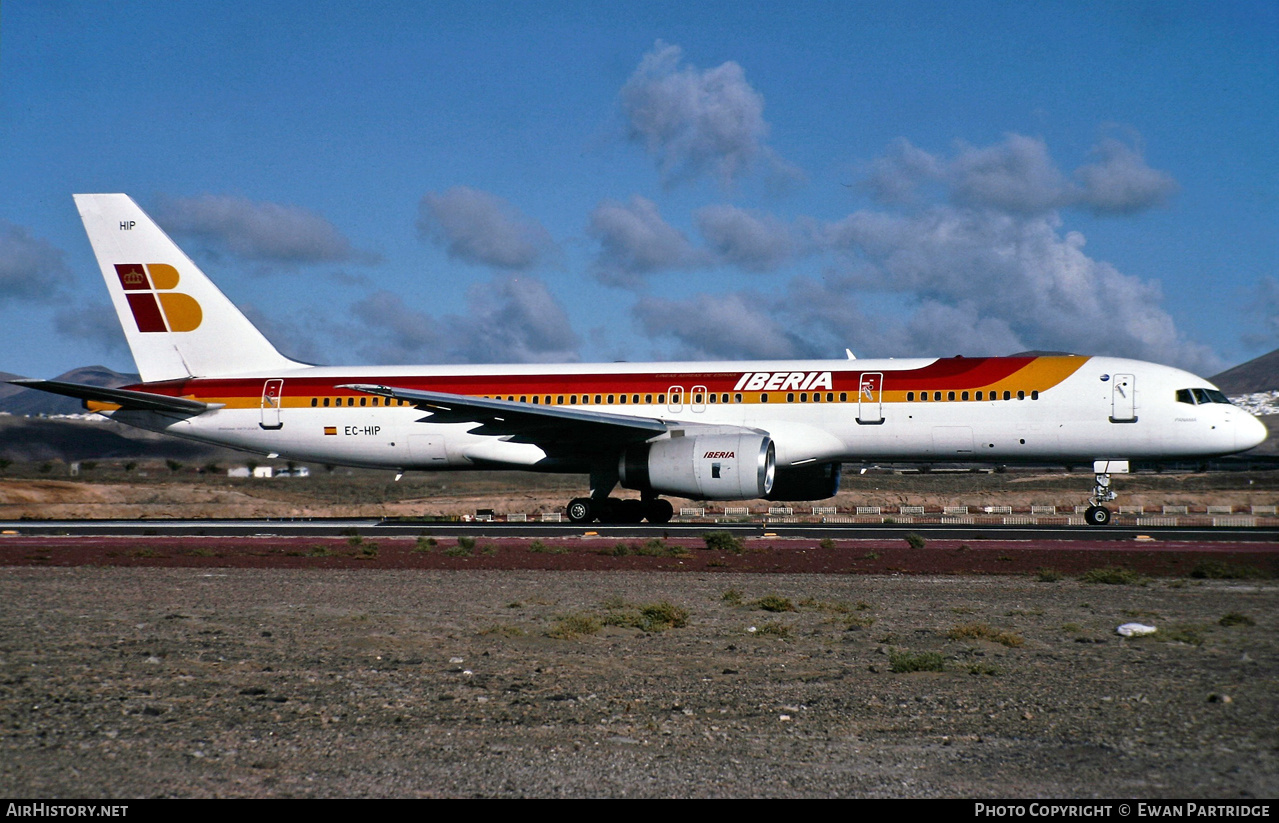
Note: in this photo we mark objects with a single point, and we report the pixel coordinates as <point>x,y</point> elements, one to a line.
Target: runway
<point>374,527</point>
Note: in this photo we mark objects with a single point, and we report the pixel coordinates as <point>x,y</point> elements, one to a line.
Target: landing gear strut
<point>1097,514</point>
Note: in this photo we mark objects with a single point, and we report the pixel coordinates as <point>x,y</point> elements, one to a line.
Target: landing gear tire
<point>581,510</point>
<point>658,511</point>
<point>1097,516</point>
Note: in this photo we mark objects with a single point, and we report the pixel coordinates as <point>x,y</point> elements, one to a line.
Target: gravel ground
<point>197,682</point>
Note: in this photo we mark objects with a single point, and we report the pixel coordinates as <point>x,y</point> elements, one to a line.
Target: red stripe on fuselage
<point>945,374</point>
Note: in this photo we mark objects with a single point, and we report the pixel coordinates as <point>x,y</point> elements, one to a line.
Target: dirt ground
<point>207,682</point>
<point>358,667</point>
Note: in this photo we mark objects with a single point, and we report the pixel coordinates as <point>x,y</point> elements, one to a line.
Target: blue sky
<point>480,182</point>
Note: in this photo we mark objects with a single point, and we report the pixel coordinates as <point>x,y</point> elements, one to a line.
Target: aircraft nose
<point>1249,432</point>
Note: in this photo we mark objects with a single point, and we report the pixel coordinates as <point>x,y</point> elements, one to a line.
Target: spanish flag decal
<point>330,429</point>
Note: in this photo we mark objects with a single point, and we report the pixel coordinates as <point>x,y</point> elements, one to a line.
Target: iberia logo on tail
<point>155,306</point>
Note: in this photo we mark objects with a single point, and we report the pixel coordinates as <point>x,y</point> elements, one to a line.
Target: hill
<point>1258,375</point>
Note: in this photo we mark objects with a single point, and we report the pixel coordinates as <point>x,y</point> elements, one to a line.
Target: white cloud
<point>510,320</point>
<point>635,240</point>
<point>479,227</point>
<point>1120,182</point>
<point>740,325</point>
<point>265,232</point>
<point>755,242</point>
<point>1016,176</point>
<point>1021,272</point>
<point>96,324</point>
<point>30,268</point>
<point>697,122</point>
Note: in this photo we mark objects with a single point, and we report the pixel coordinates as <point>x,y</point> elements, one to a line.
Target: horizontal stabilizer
<point>124,398</point>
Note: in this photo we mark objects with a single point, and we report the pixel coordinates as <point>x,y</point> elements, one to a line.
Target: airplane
<point>778,430</point>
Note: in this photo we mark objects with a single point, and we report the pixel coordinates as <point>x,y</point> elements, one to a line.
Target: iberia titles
<point>784,381</point>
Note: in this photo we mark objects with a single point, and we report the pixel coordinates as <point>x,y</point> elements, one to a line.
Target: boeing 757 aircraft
<point>708,430</point>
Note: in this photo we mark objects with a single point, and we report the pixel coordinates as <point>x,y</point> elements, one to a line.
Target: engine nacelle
<point>814,481</point>
<point>714,466</point>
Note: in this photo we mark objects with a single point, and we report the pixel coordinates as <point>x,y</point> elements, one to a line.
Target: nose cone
<point>1249,432</point>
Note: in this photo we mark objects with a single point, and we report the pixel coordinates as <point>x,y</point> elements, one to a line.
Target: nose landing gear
<point>1097,514</point>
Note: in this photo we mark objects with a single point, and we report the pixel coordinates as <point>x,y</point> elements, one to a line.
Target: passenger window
<point>661,398</point>
<point>910,397</point>
<point>1021,395</point>
<point>979,395</point>
<point>597,399</point>
<point>523,398</point>
<point>950,395</point>
<point>843,397</point>
<point>315,401</point>
<point>763,398</point>
<point>964,396</point>
<point>326,402</point>
<point>1034,395</point>
<point>1008,395</point>
<point>790,397</point>
<point>559,400</point>
<point>936,396</point>
<point>737,398</point>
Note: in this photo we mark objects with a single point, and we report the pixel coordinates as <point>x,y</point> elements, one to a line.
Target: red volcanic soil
<point>759,555</point>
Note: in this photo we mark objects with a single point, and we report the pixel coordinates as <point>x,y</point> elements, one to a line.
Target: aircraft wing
<point>527,422</point>
<point>124,398</point>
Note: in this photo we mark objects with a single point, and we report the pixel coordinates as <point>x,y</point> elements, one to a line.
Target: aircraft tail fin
<point>178,324</point>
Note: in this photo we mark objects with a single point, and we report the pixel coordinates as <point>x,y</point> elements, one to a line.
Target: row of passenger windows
<point>350,401</point>
<point>1183,395</point>
<point>950,395</point>
<point>1198,397</point>
<point>697,399</point>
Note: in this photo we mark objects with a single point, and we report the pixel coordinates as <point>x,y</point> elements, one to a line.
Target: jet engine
<point>712,466</point>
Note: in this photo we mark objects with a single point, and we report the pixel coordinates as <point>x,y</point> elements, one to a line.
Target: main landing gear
<point>615,510</point>
<point>1097,514</point>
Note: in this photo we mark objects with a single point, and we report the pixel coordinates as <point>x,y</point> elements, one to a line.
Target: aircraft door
<point>697,399</point>
<point>675,399</point>
<point>870,398</point>
<point>1123,399</point>
<point>272,397</point>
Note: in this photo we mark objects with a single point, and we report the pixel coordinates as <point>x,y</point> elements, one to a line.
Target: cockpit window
<point>1201,396</point>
